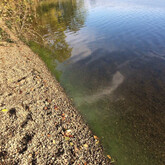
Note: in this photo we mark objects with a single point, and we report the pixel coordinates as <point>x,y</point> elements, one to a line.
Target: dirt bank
<point>38,123</point>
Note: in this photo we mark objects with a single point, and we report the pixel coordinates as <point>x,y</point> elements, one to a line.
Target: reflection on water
<point>111,59</point>
<point>55,19</point>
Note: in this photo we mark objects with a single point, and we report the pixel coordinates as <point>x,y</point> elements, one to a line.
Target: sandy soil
<point>38,123</point>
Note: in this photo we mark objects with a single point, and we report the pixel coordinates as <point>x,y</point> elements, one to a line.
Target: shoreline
<point>39,124</point>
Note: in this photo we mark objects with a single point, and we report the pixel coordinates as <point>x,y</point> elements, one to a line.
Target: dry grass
<point>19,16</point>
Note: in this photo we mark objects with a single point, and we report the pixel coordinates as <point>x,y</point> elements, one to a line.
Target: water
<point>109,55</point>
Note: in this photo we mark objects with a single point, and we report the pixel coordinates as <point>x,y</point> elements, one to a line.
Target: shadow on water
<point>109,57</point>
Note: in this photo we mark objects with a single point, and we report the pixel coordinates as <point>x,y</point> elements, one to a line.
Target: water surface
<point>109,55</point>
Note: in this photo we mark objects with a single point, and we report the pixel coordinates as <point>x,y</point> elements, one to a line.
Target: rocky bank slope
<point>38,124</point>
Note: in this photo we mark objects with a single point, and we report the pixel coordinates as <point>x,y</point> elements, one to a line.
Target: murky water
<point>109,55</point>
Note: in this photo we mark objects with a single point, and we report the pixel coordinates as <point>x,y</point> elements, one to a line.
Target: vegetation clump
<point>20,16</point>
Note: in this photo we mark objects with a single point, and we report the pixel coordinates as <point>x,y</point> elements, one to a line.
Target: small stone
<point>68,132</point>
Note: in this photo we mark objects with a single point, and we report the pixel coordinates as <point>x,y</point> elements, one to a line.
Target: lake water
<point>109,55</point>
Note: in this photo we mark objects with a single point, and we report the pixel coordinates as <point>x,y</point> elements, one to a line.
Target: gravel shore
<point>38,123</point>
